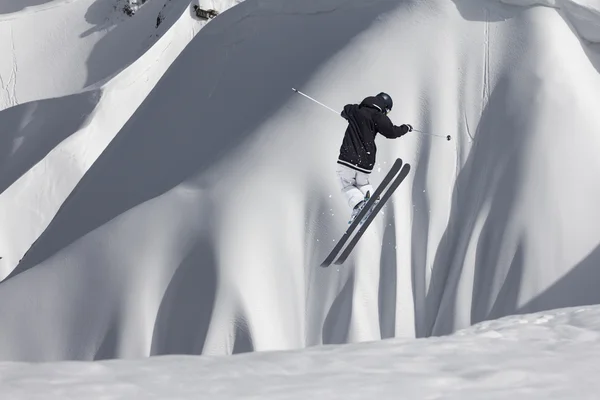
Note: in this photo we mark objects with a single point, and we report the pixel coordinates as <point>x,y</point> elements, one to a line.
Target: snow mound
<point>541,356</point>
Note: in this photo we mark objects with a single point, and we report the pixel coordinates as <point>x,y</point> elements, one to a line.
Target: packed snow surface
<point>163,190</point>
<point>545,356</point>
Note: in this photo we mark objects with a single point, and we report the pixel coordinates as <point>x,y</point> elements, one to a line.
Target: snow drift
<point>515,357</point>
<point>200,228</point>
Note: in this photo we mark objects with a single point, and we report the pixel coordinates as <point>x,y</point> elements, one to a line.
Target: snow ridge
<point>584,15</point>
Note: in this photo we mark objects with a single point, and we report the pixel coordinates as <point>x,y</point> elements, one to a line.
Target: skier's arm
<point>388,129</point>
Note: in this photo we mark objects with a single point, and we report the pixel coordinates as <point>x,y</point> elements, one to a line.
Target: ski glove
<point>406,127</point>
<point>344,115</point>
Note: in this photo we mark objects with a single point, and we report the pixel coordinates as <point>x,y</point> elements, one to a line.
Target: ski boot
<point>367,198</point>
<point>356,210</point>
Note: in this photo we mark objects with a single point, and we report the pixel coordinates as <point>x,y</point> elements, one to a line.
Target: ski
<point>403,173</point>
<point>384,183</point>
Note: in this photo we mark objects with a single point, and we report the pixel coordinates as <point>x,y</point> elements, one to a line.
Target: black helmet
<point>387,101</point>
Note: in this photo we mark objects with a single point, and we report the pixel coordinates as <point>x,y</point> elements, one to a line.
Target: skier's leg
<point>363,184</point>
<point>365,187</point>
<point>347,180</point>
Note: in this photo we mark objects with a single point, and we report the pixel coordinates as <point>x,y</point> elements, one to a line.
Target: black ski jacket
<point>365,121</point>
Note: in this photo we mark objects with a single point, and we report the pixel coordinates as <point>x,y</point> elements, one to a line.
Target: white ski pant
<point>354,184</point>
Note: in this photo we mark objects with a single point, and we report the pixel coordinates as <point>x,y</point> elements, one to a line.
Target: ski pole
<point>433,134</point>
<point>318,102</point>
<point>332,110</point>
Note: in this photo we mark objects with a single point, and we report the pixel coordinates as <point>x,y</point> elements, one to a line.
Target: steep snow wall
<point>47,145</point>
<point>55,49</point>
<point>201,227</point>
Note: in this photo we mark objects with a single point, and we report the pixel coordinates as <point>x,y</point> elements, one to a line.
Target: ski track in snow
<point>10,86</point>
<point>15,70</point>
<point>486,69</point>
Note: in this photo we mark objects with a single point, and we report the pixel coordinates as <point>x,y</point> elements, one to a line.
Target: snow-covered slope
<point>584,15</point>
<point>47,145</point>
<point>56,48</point>
<point>201,227</point>
<point>541,356</point>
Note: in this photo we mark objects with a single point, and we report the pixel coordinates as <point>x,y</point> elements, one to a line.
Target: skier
<point>358,150</point>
